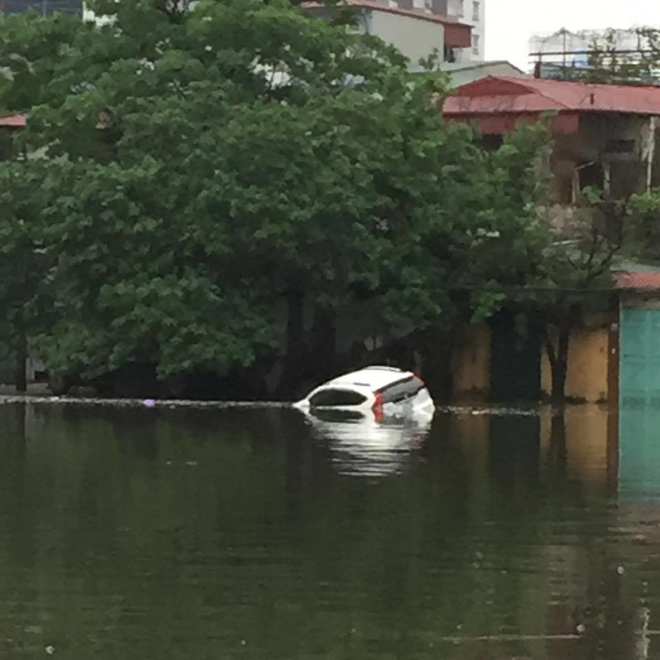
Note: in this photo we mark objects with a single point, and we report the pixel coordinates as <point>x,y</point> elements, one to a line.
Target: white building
<point>472,12</point>
<point>565,41</point>
<point>565,54</point>
<point>414,27</point>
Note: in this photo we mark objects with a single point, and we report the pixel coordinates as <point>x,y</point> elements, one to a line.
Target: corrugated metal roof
<point>638,281</point>
<point>500,94</point>
<point>13,121</point>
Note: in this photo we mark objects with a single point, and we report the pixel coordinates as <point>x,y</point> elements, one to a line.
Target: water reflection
<point>253,534</point>
<point>362,445</point>
<point>639,468</point>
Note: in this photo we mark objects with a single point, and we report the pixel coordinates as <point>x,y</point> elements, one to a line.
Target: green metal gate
<point>639,377</point>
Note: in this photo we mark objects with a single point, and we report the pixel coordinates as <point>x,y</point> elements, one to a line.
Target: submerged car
<point>379,390</point>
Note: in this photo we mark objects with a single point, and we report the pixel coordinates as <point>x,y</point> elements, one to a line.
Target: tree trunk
<point>437,347</point>
<point>295,345</point>
<point>324,342</point>
<point>558,355</point>
<point>21,362</point>
<point>560,367</point>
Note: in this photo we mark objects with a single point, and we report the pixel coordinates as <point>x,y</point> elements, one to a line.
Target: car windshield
<point>401,390</point>
<point>337,397</point>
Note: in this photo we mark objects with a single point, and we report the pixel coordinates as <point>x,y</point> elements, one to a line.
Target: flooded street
<point>194,534</point>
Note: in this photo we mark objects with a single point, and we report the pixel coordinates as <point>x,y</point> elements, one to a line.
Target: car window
<point>332,397</point>
<point>401,390</point>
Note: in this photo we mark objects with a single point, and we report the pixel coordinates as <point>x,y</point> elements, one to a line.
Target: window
<point>401,390</point>
<point>337,398</point>
<point>492,142</point>
<point>475,44</point>
<point>620,146</point>
<point>476,11</point>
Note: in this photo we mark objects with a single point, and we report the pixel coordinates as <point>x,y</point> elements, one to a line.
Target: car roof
<point>373,377</point>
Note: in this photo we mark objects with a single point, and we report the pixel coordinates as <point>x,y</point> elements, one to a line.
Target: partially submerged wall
<point>588,362</point>
<point>470,363</point>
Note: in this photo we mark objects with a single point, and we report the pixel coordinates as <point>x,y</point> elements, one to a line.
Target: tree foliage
<point>609,62</point>
<point>198,168</point>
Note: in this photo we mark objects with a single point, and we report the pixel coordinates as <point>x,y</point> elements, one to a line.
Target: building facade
<point>413,27</point>
<point>467,12</point>
<point>43,7</point>
<point>472,12</point>
<point>605,137</point>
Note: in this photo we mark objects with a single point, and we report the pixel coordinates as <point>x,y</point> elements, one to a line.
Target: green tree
<point>26,293</point>
<point>201,167</point>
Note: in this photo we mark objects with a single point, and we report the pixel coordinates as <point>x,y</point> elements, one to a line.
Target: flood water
<point>194,534</point>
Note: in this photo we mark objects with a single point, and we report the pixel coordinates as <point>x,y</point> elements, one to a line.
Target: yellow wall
<point>470,362</point>
<point>587,365</point>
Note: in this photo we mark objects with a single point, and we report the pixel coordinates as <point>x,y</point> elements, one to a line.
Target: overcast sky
<point>509,23</point>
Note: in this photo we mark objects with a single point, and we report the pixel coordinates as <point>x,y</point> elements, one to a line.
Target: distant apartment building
<point>43,7</point>
<point>471,12</point>
<point>566,55</point>
<point>417,28</point>
<point>575,45</point>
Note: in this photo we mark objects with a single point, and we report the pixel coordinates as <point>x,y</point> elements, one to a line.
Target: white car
<point>384,391</point>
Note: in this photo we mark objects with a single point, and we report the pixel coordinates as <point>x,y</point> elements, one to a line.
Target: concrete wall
<point>599,145</point>
<point>470,363</point>
<point>462,73</point>
<point>588,370</point>
<point>588,363</point>
<point>415,38</point>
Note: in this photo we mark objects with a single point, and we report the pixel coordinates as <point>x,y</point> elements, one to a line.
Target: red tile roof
<point>647,281</point>
<point>499,95</point>
<point>13,121</point>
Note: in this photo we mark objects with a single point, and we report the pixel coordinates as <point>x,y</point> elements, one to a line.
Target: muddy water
<point>193,534</point>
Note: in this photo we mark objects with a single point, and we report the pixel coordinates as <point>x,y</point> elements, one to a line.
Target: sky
<point>510,23</point>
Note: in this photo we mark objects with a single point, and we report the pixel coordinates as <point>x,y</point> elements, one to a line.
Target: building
<point>472,12</point>
<point>42,7</point>
<point>605,136</point>
<point>414,27</point>
<point>418,28</point>
<point>8,125</point>
<point>565,55</point>
<point>568,43</point>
